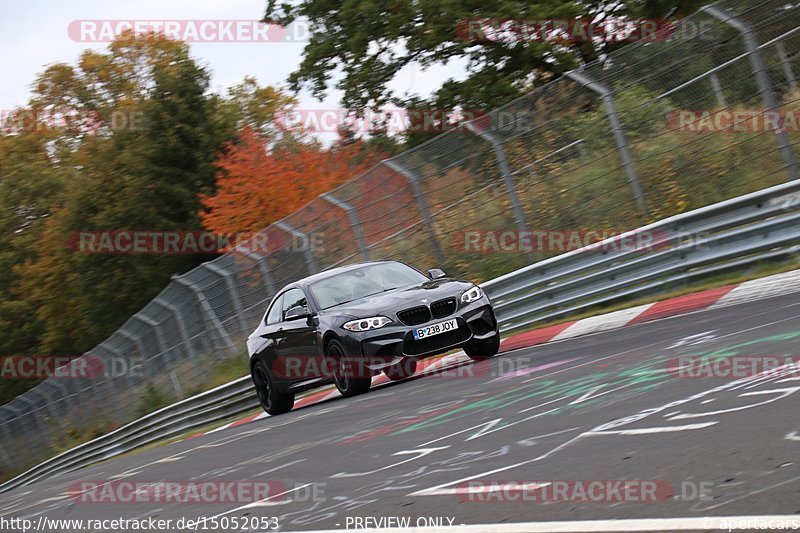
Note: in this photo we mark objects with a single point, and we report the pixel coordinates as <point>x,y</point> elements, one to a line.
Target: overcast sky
<point>36,34</point>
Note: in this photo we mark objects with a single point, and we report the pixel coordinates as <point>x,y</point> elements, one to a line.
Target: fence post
<point>259,256</point>
<point>108,380</point>
<point>7,458</point>
<point>269,283</point>
<point>310,261</point>
<point>61,392</point>
<point>130,379</point>
<point>147,321</point>
<point>47,404</point>
<point>44,427</point>
<point>135,340</point>
<point>181,324</point>
<point>416,186</point>
<point>787,66</point>
<point>619,134</point>
<point>162,345</point>
<point>233,291</point>
<point>208,311</point>
<point>505,170</point>
<point>351,212</point>
<point>71,392</point>
<point>759,68</point>
<point>31,409</point>
<point>30,425</point>
<point>717,87</point>
<point>21,435</point>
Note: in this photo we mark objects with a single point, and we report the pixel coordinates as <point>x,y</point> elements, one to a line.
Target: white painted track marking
<point>487,489</point>
<point>595,324</point>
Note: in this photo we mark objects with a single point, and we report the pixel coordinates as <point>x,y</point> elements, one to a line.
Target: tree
<point>371,41</point>
<point>124,139</point>
<point>258,184</point>
<point>256,107</point>
<point>139,173</point>
<point>133,147</point>
<point>30,189</point>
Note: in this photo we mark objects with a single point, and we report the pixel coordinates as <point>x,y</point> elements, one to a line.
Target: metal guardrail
<point>726,235</point>
<point>227,400</point>
<point>729,234</point>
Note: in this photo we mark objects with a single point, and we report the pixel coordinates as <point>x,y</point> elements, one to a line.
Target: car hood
<point>393,301</point>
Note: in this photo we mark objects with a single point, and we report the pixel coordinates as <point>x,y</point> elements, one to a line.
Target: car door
<point>296,349</point>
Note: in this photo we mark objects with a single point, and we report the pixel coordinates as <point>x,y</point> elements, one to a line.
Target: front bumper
<point>392,343</point>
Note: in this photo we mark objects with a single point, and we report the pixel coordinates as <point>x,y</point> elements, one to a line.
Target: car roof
<point>305,282</point>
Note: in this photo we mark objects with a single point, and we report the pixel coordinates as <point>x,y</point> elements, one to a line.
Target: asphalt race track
<point>489,443</point>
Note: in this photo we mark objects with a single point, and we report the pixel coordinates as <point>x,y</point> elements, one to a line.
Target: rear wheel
<point>484,349</point>
<point>272,400</point>
<point>402,370</point>
<point>348,371</point>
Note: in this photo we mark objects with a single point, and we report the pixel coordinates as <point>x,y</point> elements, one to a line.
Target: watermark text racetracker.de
<point>599,491</point>
<point>188,492</point>
<point>560,241</point>
<point>190,30</point>
<point>733,120</point>
<point>36,367</point>
<point>400,120</point>
<point>191,242</point>
<point>294,367</point>
<point>610,29</point>
<point>19,121</point>
<point>193,492</point>
<point>734,366</point>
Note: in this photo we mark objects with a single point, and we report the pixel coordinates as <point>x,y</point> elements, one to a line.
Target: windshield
<point>363,282</point>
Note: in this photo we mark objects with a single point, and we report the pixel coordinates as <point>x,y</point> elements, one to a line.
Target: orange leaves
<point>257,185</point>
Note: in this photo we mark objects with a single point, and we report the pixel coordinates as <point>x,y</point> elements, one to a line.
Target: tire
<point>402,370</point>
<point>483,350</point>
<point>272,400</point>
<point>345,382</point>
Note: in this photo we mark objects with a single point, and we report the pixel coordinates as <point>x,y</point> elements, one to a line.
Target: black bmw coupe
<point>347,324</point>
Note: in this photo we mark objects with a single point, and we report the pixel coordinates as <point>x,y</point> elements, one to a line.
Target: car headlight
<point>471,295</point>
<point>366,324</point>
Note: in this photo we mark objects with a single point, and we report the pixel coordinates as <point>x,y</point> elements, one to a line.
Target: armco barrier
<point>737,232</point>
<point>222,402</point>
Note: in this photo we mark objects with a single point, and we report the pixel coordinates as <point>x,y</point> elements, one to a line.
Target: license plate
<point>435,329</point>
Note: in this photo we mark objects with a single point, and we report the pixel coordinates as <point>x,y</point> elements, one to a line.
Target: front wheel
<point>483,349</point>
<point>272,400</point>
<point>348,371</point>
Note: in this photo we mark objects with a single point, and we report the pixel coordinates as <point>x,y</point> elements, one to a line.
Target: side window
<point>293,298</point>
<point>275,313</point>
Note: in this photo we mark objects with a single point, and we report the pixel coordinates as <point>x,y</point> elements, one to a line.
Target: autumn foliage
<point>257,185</point>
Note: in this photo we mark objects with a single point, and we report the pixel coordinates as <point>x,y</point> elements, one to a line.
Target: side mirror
<point>299,311</point>
<point>436,273</point>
